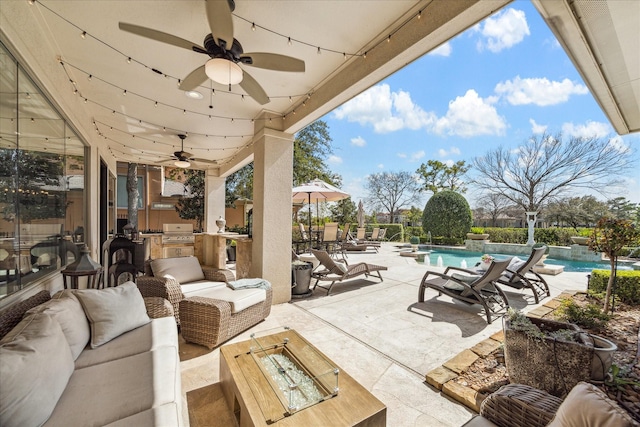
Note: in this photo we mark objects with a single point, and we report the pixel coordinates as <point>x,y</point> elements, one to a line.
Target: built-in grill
<point>177,240</point>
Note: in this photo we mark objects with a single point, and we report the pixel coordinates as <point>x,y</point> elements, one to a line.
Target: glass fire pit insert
<point>298,374</point>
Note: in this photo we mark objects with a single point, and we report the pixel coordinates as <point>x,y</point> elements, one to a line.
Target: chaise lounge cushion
<point>66,309</point>
<point>239,298</point>
<point>35,366</point>
<point>113,311</point>
<point>183,269</point>
<point>587,406</point>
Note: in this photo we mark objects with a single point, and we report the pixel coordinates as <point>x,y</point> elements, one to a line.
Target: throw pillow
<point>342,267</point>
<point>66,309</point>
<point>587,406</point>
<point>184,269</point>
<point>514,265</point>
<point>35,367</point>
<point>113,311</point>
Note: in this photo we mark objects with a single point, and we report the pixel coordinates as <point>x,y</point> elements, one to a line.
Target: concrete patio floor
<point>376,332</point>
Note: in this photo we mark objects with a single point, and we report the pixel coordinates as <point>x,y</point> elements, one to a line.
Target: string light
<point>83,35</point>
<point>419,14</point>
<point>129,60</point>
<point>389,38</point>
<point>289,41</point>
<point>253,26</point>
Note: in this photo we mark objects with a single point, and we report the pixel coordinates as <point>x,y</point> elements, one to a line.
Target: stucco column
<point>214,188</point>
<point>272,177</point>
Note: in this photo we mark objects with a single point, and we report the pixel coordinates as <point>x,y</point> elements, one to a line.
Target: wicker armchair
<point>169,288</point>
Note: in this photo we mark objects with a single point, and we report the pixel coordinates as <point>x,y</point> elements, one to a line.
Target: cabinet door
<point>177,251</point>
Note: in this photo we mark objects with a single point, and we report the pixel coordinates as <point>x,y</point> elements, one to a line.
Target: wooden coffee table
<point>254,402</point>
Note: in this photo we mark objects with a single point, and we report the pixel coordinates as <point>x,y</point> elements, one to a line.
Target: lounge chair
<point>471,289</point>
<point>520,275</point>
<point>330,237</point>
<point>340,271</point>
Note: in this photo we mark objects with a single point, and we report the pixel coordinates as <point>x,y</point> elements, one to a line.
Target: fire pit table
<point>281,379</point>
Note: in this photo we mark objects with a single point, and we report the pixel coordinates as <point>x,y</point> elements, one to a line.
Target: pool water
<point>455,258</point>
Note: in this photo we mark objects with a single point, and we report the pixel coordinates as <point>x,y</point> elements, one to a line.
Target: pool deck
<point>379,334</point>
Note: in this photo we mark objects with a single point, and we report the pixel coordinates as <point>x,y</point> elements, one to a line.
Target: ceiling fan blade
<point>220,21</point>
<point>161,37</point>
<point>274,61</point>
<point>194,79</point>
<point>253,88</point>
<point>206,161</point>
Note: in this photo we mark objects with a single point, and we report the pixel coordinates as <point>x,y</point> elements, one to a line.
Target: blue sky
<point>498,83</point>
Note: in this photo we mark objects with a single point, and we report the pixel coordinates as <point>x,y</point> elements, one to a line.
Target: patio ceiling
<point>600,37</point>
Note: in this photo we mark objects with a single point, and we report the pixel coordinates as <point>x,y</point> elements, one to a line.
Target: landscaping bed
<point>487,374</point>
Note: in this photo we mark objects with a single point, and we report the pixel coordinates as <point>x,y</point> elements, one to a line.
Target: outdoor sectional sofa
<point>90,358</point>
<point>209,305</point>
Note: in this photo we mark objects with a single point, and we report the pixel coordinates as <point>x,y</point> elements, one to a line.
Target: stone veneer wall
<point>573,252</point>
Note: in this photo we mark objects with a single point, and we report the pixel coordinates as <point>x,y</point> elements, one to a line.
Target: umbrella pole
<point>310,229</point>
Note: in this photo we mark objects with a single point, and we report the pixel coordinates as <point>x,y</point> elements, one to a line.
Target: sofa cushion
<point>113,311</point>
<point>587,406</point>
<point>160,416</point>
<point>200,285</point>
<point>35,367</point>
<point>67,310</point>
<point>102,394</point>
<point>239,299</point>
<point>161,332</point>
<point>184,269</point>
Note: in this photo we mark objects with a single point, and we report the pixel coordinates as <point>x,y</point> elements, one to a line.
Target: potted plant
<point>231,251</point>
<point>415,241</point>
<point>549,355</point>
<point>477,233</point>
<point>485,261</point>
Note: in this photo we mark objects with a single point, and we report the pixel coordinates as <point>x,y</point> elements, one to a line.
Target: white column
<point>272,178</point>
<point>214,188</point>
<point>531,222</point>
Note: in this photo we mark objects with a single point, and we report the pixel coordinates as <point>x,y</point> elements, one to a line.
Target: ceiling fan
<point>182,159</point>
<point>225,51</point>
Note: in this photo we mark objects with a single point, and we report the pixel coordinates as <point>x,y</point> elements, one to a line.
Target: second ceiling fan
<point>225,51</point>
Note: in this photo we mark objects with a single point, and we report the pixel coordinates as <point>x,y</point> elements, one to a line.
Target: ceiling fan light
<point>182,164</point>
<point>223,71</point>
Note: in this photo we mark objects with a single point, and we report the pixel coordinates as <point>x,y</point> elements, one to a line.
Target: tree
<point>494,205</point>
<point>132,194</point>
<point>191,205</point>
<point>439,176</point>
<point>344,211</point>
<point>414,216</point>
<point>546,167</point>
<point>610,236</point>
<point>28,179</point>
<point>447,214</point>
<point>239,185</point>
<point>390,191</point>
<point>576,211</point>
<point>621,208</point>
<point>310,147</point>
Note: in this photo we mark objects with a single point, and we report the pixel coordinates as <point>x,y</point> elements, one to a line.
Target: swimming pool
<point>456,258</point>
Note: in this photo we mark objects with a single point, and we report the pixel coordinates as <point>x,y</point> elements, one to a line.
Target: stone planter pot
<point>231,253</point>
<point>602,357</point>
<point>473,236</point>
<point>582,241</point>
<point>546,363</point>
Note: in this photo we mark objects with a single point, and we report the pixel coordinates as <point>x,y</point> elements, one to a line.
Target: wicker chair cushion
<point>66,309</point>
<point>239,298</point>
<point>113,311</point>
<point>183,269</point>
<point>35,366</point>
<point>200,285</point>
<point>587,406</point>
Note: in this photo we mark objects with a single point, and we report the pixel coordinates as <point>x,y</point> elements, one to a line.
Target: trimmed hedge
<point>627,284</point>
<point>553,236</point>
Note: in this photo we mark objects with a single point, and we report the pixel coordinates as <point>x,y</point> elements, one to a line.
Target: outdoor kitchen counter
<point>215,248</point>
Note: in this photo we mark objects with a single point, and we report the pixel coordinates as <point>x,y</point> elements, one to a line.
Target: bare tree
<point>132,194</point>
<point>546,167</point>
<point>390,191</point>
<point>493,205</point>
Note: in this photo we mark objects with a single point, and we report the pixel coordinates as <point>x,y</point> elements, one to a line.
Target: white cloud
<point>617,143</point>
<point>380,166</point>
<point>334,159</point>
<point>402,155</point>
<point>386,111</point>
<point>470,115</point>
<point>417,156</point>
<point>539,91</point>
<point>448,162</point>
<point>442,50</point>
<point>537,128</point>
<point>588,130</point>
<point>503,30</point>
<point>444,153</point>
<point>358,141</point>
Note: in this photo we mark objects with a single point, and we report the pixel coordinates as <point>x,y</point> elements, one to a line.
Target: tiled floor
<point>379,334</point>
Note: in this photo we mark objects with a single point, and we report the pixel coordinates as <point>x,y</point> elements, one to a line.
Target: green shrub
<point>590,316</point>
<point>477,230</point>
<point>553,236</point>
<point>447,214</point>
<point>627,286</point>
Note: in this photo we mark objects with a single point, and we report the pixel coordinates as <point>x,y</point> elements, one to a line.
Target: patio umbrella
<point>317,191</point>
<point>360,215</point>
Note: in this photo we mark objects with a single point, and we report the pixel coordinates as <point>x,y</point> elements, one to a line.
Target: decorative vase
<point>485,265</point>
<point>221,222</point>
